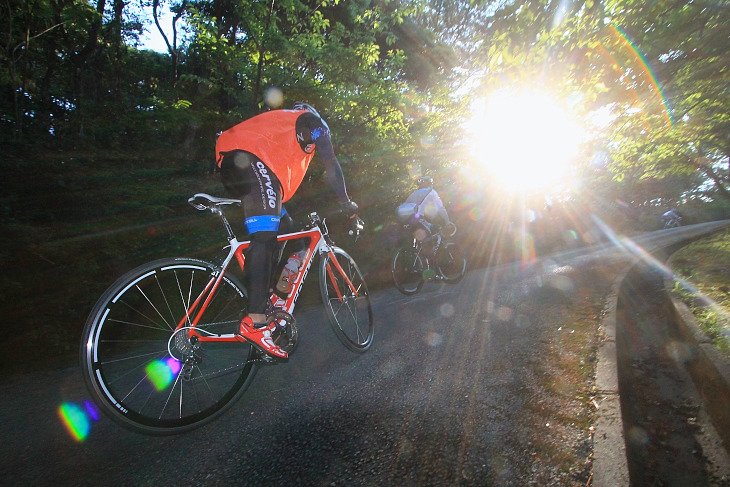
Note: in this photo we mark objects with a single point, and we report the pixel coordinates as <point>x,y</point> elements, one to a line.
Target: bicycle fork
<point>333,279</point>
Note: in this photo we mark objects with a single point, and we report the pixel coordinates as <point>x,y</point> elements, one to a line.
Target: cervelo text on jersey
<point>270,193</point>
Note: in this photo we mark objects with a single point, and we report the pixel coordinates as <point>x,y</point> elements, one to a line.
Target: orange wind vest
<point>272,137</point>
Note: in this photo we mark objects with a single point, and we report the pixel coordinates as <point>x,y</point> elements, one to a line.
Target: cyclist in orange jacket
<point>263,161</point>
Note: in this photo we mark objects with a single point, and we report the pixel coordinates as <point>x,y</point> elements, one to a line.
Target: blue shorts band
<point>262,223</point>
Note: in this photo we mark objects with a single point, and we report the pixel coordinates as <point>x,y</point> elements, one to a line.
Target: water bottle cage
<point>288,274</point>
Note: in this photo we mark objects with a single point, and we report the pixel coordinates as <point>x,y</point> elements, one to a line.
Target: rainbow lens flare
<point>76,420</point>
<point>475,214</point>
<point>525,246</point>
<point>91,410</point>
<point>162,372</point>
<point>634,60</point>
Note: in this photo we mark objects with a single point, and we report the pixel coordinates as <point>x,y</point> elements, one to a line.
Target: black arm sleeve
<point>332,167</point>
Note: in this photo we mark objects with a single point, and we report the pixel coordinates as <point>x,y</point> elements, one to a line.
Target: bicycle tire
<point>451,263</point>
<point>125,356</point>
<point>350,316</point>
<point>407,270</point>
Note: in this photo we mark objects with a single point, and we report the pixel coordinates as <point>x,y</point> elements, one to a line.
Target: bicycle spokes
<point>159,349</point>
<point>152,377</point>
<point>346,300</point>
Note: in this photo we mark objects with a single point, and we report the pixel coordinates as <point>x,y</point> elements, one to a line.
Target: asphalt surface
<point>671,438</point>
<point>435,401</point>
<point>438,400</point>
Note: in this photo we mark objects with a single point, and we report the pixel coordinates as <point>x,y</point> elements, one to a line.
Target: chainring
<point>285,334</point>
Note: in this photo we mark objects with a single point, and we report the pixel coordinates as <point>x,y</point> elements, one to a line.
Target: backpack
<point>406,211</point>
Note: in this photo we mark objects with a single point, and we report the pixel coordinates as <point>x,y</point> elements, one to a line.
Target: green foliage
<point>661,68</point>
<point>393,78</point>
<point>702,269</point>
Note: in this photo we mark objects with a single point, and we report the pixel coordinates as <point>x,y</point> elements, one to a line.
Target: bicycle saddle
<point>203,201</point>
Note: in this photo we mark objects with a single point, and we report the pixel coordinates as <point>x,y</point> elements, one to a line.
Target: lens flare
<point>524,141</point>
<point>639,65</point>
<point>75,419</point>
<point>447,310</point>
<point>525,247</point>
<point>427,142</point>
<point>476,214</point>
<point>466,199</point>
<point>162,372</point>
<point>91,410</point>
<point>274,97</point>
<point>570,237</point>
<point>433,339</point>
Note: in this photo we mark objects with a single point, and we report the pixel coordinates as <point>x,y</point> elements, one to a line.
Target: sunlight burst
<point>526,141</point>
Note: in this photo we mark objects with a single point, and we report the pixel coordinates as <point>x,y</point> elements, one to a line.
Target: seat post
<point>224,220</point>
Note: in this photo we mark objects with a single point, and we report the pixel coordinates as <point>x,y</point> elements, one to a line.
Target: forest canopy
<point>407,86</point>
<point>545,124</point>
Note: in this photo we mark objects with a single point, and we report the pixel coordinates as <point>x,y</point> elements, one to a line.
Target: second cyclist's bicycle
<point>159,352</point>
<point>430,258</point>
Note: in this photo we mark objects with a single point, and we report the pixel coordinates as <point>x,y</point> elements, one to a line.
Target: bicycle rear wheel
<point>348,310</point>
<point>451,263</point>
<point>150,379</point>
<point>407,270</point>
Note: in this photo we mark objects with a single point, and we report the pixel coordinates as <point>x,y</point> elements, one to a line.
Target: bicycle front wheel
<point>346,300</point>
<point>144,374</point>
<point>407,270</point>
<point>451,263</point>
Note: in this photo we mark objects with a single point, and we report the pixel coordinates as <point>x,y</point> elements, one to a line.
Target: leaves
<point>389,75</point>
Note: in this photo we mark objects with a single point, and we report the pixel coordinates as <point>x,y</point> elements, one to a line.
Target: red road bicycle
<point>158,351</point>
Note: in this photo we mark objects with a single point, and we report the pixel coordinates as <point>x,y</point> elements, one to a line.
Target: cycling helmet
<point>424,181</point>
<point>300,105</point>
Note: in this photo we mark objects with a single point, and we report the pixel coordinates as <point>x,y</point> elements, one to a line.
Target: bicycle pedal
<point>266,359</point>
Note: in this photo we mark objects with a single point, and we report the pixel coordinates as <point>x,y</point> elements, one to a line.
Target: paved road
<point>436,401</point>
<point>670,435</point>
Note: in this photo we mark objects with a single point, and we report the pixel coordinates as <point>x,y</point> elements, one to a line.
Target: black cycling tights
<point>245,177</point>
<point>259,256</point>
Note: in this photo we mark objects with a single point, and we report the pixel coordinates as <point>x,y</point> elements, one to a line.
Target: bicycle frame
<point>317,245</point>
<point>419,246</point>
<point>160,351</point>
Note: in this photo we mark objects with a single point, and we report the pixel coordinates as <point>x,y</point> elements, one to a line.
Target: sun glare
<point>526,141</point>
